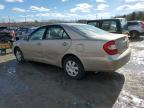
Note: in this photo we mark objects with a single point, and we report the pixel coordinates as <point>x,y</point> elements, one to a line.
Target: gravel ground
<point>36,85</point>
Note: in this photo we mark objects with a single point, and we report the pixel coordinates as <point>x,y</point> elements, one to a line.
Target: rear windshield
<point>88,30</point>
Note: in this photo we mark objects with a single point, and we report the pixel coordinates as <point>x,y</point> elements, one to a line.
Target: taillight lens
<point>142,24</point>
<point>110,48</point>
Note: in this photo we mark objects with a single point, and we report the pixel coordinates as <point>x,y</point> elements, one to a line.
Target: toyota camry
<point>77,48</point>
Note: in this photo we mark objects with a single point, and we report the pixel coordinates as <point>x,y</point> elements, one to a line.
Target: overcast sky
<point>17,10</point>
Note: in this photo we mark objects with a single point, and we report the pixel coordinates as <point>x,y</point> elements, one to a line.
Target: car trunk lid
<point>122,44</point>
<point>116,45</point>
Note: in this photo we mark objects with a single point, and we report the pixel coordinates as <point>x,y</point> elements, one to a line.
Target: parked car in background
<point>76,48</point>
<point>115,25</point>
<point>2,28</point>
<point>22,32</point>
<point>6,35</point>
<point>136,28</point>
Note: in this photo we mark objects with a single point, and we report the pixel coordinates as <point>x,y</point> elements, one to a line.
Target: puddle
<point>11,70</point>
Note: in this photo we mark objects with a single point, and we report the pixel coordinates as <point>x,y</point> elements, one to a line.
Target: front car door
<point>55,44</point>
<point>32,48</point>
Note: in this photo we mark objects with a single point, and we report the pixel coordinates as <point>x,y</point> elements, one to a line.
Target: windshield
<point>88,30</point>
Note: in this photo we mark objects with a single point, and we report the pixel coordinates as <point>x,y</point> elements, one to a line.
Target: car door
<point>32,48</point>
<point>56,43</point>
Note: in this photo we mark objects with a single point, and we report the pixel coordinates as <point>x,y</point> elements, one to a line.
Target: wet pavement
<point>37,85</point>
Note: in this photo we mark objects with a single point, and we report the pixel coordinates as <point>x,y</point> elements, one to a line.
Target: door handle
<point>64,43</point>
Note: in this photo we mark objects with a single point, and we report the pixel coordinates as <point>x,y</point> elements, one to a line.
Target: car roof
<point>105,19</point>
<point>135,21</point>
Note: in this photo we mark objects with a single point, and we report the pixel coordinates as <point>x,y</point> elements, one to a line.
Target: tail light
<point>110,48</point>
<point>142,24</point>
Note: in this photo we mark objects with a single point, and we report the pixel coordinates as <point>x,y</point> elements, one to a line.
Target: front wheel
<point>74,68</point>
<point>19,56</point>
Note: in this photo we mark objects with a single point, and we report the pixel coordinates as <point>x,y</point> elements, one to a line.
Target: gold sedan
<point>77,48</point>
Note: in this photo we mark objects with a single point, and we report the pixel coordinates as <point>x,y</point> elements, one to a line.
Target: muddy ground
<point>37,85</point>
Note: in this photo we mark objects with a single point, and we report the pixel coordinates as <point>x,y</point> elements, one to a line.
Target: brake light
<point>110,48</point>
<point>142,24</point>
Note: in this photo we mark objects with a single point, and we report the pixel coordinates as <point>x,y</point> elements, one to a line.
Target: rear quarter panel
<point>87,50</point>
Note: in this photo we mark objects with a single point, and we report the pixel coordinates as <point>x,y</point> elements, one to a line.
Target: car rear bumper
<point>108,63</point>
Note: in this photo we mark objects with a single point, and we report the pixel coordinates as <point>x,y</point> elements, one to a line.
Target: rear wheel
<point>74,68</point>
<point>134,34</point>
<point>19,55</point>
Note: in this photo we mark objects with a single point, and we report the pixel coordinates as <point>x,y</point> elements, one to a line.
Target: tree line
<point>133,16</point>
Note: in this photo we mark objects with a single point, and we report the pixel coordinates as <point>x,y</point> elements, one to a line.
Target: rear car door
<point>32,48</point>
<point>56,43</point>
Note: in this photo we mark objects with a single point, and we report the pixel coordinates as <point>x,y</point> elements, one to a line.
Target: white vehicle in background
<point>136,28</point>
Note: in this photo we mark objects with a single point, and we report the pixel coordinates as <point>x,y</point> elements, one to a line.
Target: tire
<point>19,56</point>
<point>134,34</point>
<point>73,68</point>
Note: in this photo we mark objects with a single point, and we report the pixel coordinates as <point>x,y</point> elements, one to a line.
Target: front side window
<point>109,26</point>
<point>38,35</point>
<point>56,32</point>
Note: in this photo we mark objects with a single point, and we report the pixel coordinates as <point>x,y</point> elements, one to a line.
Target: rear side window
<point>109,26</point>
<point>56,32</point>
<point>132,23</point>
<point>96,24</point>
